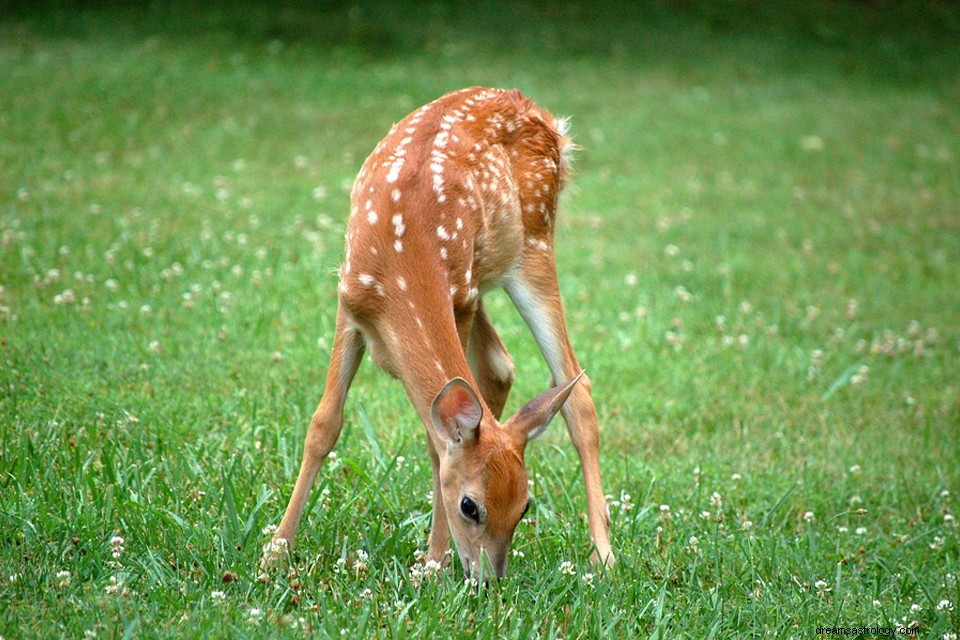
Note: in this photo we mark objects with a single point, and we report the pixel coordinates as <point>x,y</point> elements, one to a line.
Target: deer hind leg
<point>326,424</point>
<point>536,294</point>
<point>490,362</point>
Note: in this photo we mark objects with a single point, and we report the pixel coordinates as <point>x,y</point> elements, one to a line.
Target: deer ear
<point>456,412</point>
<point>533,418</point>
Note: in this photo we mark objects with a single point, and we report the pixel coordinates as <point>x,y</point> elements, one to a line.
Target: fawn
<point>459,197</point>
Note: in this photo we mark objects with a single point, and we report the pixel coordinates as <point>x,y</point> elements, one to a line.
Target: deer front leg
<point>323,432</point>
<point>536,294</point>
<point>439,529</point>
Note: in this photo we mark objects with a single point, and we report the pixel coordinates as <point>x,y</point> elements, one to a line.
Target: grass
<point>760,265</point>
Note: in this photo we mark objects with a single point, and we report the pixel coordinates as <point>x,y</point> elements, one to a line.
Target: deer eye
<point>469,509</point>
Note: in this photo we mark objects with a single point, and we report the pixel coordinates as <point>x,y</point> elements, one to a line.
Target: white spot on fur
<point>396,195</point>
<point>372,216</point>
<point>442,233</point>
<point>402,283</point>
<point>443,253</point>
<point>367,280</point>
<point>398,226</point>
<point>398,246</point>
<point>459,223</point>
<point>395,170</point>
<point>538,244</point>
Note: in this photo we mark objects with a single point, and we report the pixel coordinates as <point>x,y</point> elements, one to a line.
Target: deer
<point>460,197</point>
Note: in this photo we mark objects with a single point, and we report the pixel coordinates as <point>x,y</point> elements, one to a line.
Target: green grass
<point>173,191</point>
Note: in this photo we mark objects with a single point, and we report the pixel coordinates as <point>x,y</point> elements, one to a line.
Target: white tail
<point>460,197</point>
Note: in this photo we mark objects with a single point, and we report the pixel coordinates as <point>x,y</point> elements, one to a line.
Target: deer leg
<point>491,363</point>
<point>536,294</point>
<point>326,423</point>
<point>439,543</point>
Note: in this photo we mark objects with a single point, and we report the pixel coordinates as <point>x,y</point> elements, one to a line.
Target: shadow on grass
<point>886,42</point>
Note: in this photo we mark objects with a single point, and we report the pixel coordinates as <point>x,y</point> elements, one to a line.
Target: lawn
<point>760,258</point>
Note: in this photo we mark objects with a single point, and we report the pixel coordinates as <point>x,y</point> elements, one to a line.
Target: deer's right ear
<point>456,412</point>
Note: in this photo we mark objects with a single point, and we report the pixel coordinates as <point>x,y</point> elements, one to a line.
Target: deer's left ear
<point>456,412</point>
<point>533,418</point>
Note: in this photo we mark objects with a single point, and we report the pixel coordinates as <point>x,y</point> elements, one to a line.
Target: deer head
<point>482,473</point>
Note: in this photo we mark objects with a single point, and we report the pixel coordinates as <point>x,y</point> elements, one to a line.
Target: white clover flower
<point>218,596</point>
<point>915,607</point>
<point>516,553</point>
<point>360,564</point>
<point>855,469</point>
<point>716,501</point>
<point>861,531</point>
<point>587,579</point>
<point>275,550</point>
<point>111,589</point>
<point>566,568</point>
<point>63,579</point>
<point>944,605</point>
<point>808,516</point>
<point>746,525</point>
<point>736,477</point>
<point>66,297</point>
<point>822,587</point>
<point>269,530</point>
